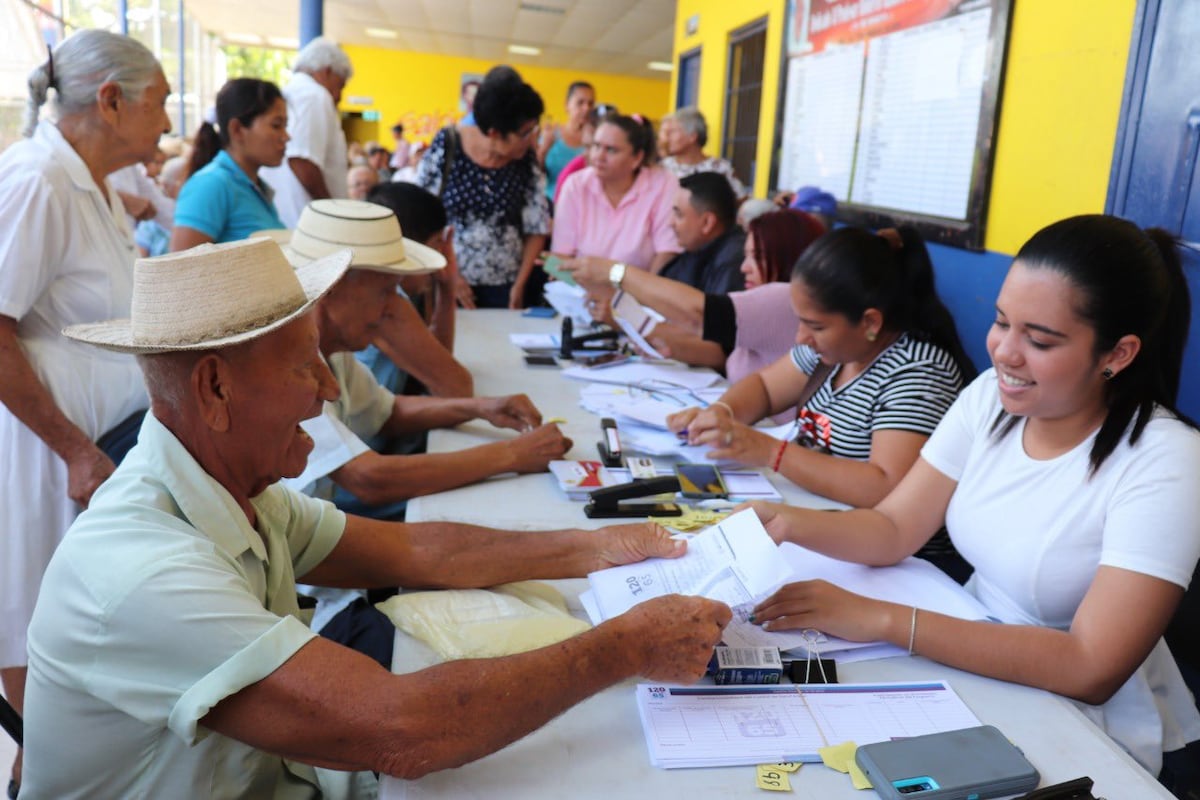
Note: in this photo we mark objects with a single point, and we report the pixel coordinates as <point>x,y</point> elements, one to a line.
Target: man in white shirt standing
<point>316,161</point>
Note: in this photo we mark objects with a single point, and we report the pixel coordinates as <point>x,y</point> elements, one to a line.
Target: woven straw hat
<point>212,296</point>
<point>371,231</point>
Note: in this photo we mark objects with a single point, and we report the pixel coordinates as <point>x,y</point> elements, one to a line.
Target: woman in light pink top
<point>619,208</point>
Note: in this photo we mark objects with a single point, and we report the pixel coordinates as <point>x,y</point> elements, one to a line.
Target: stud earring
<point>1107,373</point>
<point>871,336</point>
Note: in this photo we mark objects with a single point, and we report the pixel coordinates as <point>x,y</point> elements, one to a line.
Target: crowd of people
<point>272,319</point>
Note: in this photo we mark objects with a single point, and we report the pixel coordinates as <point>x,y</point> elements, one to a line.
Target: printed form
<point>725,726</point>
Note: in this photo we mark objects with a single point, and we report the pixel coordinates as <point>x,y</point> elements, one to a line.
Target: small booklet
<point>729,726</point>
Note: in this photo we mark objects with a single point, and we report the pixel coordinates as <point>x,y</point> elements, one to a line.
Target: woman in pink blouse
<point>619,208</point>
<point>740,332</point>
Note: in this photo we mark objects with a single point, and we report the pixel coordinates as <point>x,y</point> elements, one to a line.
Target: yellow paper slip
<point>772,778</point>
<point>692,519</point>
<point>841,758</point>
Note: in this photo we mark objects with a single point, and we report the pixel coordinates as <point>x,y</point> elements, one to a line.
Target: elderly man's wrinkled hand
<point>628,544</point>
<point>534,450</point>
<point>674,636</point>
<point>87,468</point>
<point>515,411</point>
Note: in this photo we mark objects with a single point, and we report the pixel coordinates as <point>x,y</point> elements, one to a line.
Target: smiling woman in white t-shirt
<point>1065,477</point>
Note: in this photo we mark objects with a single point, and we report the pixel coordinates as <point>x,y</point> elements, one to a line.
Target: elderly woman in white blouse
<point>66,257</point>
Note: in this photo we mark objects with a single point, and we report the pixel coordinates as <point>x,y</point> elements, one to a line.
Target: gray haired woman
<point>66,257</point>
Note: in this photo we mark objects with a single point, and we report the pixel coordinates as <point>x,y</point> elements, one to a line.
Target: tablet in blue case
<point>967,764</point>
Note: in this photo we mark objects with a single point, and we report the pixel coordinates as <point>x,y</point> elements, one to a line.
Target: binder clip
<point>611,502</point>
<point>813,669</point>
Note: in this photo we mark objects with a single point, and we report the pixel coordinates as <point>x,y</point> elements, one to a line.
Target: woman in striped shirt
<point>869,311</point>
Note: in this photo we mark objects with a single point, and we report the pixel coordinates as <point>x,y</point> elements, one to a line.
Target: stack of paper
<point>570,301</point>
<point>734,561</point>
<point>727,726</point>
<point>649,377</point>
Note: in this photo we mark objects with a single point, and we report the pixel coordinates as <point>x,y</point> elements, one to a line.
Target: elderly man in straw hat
<point>348,319</point>
<point>166,659</point>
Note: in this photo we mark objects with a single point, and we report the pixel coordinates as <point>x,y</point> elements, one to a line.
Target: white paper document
<point>333,446</point>
<point>913,581</point>
<point>649,377</point>
<point>535,341</point>
<point>636,321</point>
<point>734,561</point>
<point>725,726</point>
<point>570,301</point>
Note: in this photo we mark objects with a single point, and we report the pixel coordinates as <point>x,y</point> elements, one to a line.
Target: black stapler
<point>1078,789</point>
<point>608,503</point>
<point>603,339</point>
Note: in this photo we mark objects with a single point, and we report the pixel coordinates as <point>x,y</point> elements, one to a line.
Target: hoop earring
<point>1107,373</point>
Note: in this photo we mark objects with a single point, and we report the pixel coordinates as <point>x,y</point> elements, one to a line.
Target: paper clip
<point>811,638</point>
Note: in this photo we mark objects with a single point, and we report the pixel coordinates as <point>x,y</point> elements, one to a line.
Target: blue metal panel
<point>968,284</point>
<point>688,84</point>
<point>1157,152</point>
<point>312,20</point>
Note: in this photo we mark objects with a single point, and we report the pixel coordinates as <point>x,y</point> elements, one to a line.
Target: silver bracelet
<point>725,406</point>
<point>912,631</point>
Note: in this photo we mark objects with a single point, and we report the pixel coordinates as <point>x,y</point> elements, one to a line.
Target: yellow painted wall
<point>719,18</point>
<point>1059,114</point>
<point>421,89</point>
<point>1058,117</point>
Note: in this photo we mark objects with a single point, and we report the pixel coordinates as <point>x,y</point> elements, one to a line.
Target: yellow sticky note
<point>773,779</point>
<point>838,756</point>
<point>692,519</point>
<point>857,777</point>
<point>787,766</point>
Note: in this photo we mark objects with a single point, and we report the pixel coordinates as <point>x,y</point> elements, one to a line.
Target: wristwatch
<point>616,274</point>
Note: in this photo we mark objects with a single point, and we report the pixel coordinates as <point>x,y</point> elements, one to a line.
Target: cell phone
<point>535,360</point>
<point>969,763</point>
<point>552,265</point>
<point>700,481</point>
<point>606,360</point>
<point>545,312</point>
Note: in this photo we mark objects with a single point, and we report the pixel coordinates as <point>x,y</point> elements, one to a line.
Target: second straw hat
<point>371,231</point>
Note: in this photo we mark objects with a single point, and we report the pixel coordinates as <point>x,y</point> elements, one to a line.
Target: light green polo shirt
<point>161,601</point>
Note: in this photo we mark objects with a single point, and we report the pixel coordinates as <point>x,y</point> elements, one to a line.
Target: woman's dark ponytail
<point>925,315</point>
<point>205,146</point>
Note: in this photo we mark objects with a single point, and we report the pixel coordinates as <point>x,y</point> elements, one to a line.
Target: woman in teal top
<point>561,143</point>
<point>224,200</point>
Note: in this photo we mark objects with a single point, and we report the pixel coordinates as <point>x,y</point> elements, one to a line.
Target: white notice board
<point>891,106</point>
